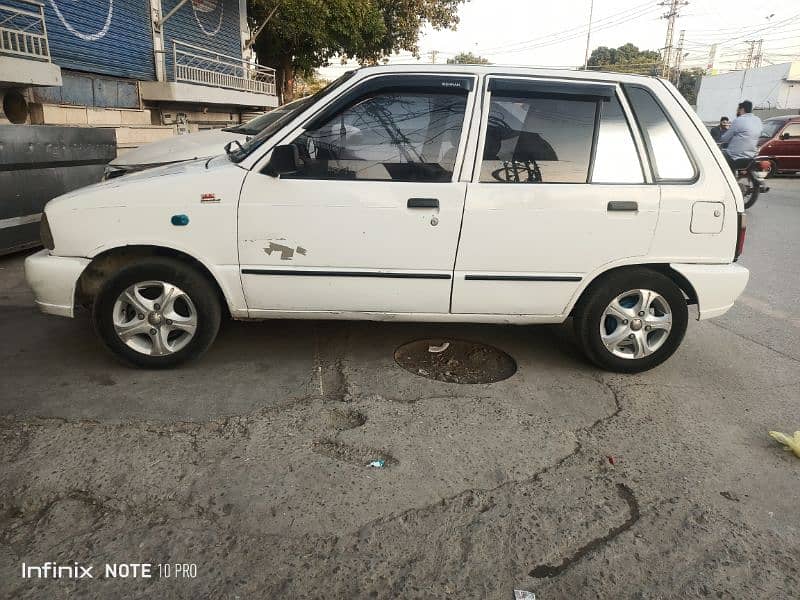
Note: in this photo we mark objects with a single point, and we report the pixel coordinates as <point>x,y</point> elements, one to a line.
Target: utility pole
<point>759,55</point>
<point>673,12</point>
<point>679,58</point>
<point>434,54</point>
<point>748,63</point>
<point>589,35</point>
<point>712,59</point>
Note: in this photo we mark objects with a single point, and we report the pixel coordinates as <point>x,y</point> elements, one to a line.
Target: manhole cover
<point>455,361</point>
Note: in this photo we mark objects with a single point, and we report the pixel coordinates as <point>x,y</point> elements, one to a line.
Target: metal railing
<point>193,64</point>
<point>23,31</point>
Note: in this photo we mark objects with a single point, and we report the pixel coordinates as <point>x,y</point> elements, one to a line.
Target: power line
<point>570,33</point>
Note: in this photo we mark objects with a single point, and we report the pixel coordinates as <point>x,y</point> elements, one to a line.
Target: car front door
<point>558,191</point>
<point>787,148</point>
<point>370,220</point>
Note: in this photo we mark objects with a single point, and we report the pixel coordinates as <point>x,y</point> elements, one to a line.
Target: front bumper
<point>53,280</point>
<point>717,286</point>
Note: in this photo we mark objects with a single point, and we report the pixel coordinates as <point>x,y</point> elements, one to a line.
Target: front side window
<point>667,154</point>
<point>792,131</point>
<point>387,136</point>
<point>538,139</point>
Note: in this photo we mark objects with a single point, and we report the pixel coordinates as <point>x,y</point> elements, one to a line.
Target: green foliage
<point>689,84</point>
<point>305,34</point>
<point>625,59</point>
<point>468,58</point>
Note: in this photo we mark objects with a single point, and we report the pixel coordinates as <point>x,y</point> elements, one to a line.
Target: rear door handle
<point>623,205</point>
<point>423,203</point>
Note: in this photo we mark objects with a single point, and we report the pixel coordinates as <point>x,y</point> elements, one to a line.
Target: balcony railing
<point>193,64</point>
<point>23,31</point>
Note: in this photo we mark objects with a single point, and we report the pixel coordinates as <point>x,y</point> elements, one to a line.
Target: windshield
<point>238,152</point>
<point>257,125</point>
<point>771,128</point>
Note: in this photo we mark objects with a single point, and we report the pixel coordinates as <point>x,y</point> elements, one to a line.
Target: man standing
<point>742,137</point>
<point>718,130</point>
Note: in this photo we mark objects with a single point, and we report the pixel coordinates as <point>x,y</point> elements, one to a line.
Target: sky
<point>516,32</point>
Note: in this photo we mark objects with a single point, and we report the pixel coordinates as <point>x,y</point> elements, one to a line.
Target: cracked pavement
<point>562,480</point>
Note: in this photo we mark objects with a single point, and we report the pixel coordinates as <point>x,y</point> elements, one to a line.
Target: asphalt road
<point>563,480</point>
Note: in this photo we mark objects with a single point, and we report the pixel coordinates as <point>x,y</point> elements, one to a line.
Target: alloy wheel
<point>155,318</point>
<point>636,324</point>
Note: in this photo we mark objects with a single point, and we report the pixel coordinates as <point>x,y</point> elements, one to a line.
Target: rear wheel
<point>631,320</point>
<point>157,313</point>
<point>751,188</point>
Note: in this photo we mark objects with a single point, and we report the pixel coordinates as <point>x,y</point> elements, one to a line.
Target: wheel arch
<point>664,268</point>
<point>110,260</point>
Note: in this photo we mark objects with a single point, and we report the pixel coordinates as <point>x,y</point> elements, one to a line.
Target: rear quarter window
<point>668,154</point>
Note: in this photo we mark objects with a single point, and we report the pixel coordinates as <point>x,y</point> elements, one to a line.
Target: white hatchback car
<point>440,193</point>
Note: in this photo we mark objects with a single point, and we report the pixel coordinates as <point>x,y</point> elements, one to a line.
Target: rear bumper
<point>53,280</point>
<point>717,286</point>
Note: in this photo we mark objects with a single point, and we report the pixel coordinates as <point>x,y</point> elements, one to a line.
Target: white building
<point>773,90</point>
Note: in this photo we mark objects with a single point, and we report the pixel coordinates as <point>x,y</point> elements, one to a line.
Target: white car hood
<point>202,144</point>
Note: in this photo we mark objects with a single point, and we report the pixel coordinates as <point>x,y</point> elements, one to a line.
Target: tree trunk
<point>286,79</point>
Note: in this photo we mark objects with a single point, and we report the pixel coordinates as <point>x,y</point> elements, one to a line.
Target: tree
<point>305,34</point>
<point>467,58</point>
<point>625,59</point>
<point>689,84</point>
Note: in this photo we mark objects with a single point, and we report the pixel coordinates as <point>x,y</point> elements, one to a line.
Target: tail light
<point>740,236</point>
<point>762,169</point>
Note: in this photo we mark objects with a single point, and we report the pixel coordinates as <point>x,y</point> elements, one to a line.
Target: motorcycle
<point>751,180</point>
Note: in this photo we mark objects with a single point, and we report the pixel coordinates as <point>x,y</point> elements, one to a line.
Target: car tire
<point>773,169</point>
<point>613,306</point>
<point>135,327</point>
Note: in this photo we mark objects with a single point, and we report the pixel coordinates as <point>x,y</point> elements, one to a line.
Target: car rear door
<point>370,222</point>
<point>558,191</point>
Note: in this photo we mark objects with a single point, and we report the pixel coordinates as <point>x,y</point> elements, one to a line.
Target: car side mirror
<point>785,136</point>
<point>284,160</point>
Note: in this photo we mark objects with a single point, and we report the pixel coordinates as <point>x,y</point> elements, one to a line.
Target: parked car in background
<point>451,193</point>
<point>202,144</point>
<point>780,144</point>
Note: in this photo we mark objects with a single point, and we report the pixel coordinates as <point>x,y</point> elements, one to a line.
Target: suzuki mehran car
<point>780,144</point>
<point>478,194</point>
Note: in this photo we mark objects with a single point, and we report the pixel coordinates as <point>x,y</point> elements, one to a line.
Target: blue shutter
<point>109,37</point>
<point>210,24</point>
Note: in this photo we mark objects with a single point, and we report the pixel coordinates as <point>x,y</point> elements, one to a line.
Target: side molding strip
<point>380,274</point>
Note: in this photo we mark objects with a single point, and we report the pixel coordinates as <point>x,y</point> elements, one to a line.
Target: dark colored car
<point>780,144</point>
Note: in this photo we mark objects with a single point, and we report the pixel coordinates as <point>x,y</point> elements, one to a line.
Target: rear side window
<point>538,139</point>
<point>616,159</point>
<point>667,153</point>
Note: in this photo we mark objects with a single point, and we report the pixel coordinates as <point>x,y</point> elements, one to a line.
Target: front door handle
<point>623,205</point>
<point>423,203</point>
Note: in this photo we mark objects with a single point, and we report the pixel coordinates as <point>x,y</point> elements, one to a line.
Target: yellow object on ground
<point>792,444</point>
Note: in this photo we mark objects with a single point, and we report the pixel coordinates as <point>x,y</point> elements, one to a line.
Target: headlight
<point>45,234</point>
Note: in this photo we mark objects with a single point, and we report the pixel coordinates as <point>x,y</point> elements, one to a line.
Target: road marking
<point>17,221</point>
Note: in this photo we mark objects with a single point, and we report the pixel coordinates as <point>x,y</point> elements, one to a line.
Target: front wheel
<point>157,313</point>
<point>631,320</point>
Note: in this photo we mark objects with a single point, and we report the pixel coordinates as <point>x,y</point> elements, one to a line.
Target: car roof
<point>785,118</point>
<point>507,70</point>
